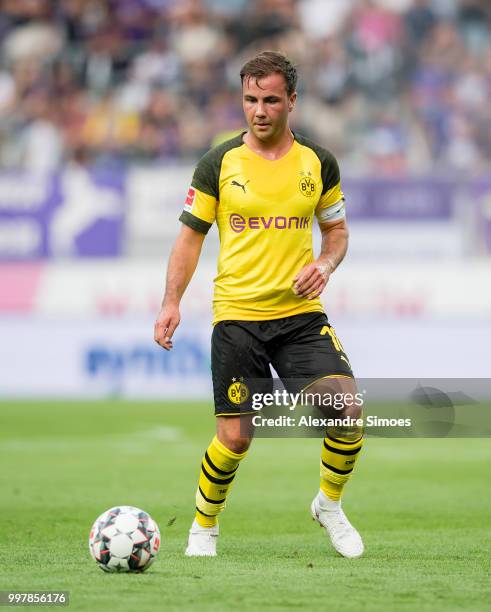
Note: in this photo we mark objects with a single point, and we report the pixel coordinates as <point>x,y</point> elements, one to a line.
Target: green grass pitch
<point>422,506</point>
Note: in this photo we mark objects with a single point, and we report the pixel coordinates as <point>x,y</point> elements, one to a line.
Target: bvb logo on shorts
<point>307,186</point>
<point>238,392</point>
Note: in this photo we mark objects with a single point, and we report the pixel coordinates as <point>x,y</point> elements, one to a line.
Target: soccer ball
<point>124,539</point>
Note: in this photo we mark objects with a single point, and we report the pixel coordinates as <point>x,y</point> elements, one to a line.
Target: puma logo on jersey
<point>237,184</point>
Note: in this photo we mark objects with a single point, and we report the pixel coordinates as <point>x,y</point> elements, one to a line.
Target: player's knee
<point>352,410</point>
<point>338,397</point>
<point>236,444</point>
<point>240,445</point>
<point>235,433</point>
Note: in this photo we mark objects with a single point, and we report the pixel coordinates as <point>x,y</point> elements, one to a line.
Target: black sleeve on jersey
<point>329,165</point>
<point>330,172</point>
<point>194,223</point>
<point>206,173</point>
<point>206,176</point>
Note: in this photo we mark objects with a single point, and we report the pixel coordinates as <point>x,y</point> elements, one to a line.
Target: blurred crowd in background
<point>394,87</point>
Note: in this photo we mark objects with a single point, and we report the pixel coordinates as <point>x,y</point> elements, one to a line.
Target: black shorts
<point>302,349</point>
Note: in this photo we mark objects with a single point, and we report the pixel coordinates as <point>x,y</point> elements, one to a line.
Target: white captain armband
<point>332,213</point>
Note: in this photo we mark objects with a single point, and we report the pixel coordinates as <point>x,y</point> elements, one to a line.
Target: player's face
<point>266,106</point>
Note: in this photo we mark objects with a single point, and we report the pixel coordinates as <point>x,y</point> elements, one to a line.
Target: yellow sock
<point>217,474</point>
<point>338,459</point>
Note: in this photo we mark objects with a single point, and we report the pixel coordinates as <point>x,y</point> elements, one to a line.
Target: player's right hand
<point>166,325</point>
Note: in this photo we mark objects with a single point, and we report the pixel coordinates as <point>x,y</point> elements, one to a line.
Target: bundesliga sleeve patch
<point>188,203</point>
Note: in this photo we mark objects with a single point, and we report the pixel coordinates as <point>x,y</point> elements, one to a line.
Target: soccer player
<point>263,189</point>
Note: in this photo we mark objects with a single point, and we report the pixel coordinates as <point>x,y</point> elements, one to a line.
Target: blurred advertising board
<point>481,194</point>
<point>79,213</point>
<point>101,358</point>
<point>428,199</point>
<point>119,288</point>
<point>85,328</point>
<point>75,213</point>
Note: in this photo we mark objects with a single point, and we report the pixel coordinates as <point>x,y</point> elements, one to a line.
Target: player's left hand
<point>312,279</point>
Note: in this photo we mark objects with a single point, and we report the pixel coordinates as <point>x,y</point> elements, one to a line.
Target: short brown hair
<point>269,62</point>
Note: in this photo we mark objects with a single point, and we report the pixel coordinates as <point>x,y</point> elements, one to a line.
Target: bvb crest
<point>238,392</point>
<point>307,186</point>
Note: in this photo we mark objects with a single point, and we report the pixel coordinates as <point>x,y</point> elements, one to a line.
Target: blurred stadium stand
<point>395,87</point>
<point>105,106</point>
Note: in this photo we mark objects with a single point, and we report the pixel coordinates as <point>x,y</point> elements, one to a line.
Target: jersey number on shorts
<point>335,340</point>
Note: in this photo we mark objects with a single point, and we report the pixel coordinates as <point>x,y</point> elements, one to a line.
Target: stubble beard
<point>267,135</point>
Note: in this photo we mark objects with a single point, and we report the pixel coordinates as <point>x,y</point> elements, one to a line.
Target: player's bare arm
<point>312,278</point>
<point>182,264</point>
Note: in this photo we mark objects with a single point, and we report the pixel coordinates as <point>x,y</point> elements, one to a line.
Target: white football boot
<point>202,541</point>
<point>344,537</point>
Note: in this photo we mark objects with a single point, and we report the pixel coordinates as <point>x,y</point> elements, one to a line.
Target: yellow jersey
<point>264,211</point>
